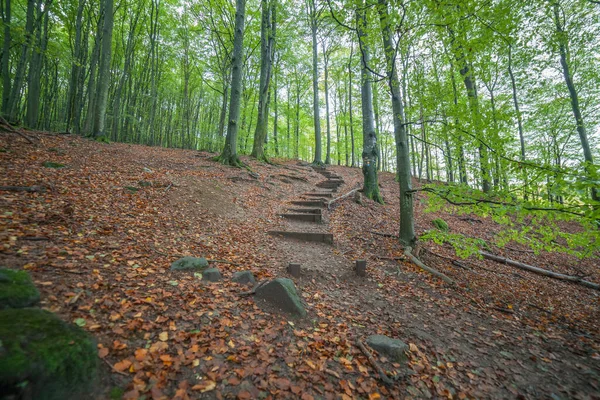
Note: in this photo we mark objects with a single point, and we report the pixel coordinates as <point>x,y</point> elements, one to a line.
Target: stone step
<point>306,210</point>
<point>319,194</point>
<point>303,217</point>
<point>306,236</point>
<point>309,203</point>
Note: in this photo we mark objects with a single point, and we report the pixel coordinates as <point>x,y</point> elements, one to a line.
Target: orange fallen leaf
<point>164,336</point>
<point>122,365</point>
<point>206,386</point>
<point>103,352</point>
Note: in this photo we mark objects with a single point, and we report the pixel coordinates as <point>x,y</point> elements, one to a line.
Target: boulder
<point>211,275</point>
<point>393,349</point>
<point>42,357</point>
<point>243,277</point>
<point>17,290</point>
<point>190,264</point>
<point>281,292</point>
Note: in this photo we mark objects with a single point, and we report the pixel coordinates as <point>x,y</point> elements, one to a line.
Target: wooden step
<point>309,203</point>
<point>306,236</point>
<point>306,210</point>
<point>319,194</point>
<point>329,184</point>
<point>303,217</point>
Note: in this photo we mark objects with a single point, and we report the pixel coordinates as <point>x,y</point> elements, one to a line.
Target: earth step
<point>306,236</point>
<point>309,203</point>
<point>329,184</point>
<point>306,210</point>
<point>319,194</point>
<point>303,217</point>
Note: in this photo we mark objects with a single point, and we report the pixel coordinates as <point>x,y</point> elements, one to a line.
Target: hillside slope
<point>100,237</point>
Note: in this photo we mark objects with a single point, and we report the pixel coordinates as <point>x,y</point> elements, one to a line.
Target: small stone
<point>189,264</point>
<point>211,275</point>
<point>281,292</point>
<point>243,277</point>
<point>294,270</point>
<point>145,183</point>
<point>394,349</point>
<point>148,170</point>
<point>17,290</point>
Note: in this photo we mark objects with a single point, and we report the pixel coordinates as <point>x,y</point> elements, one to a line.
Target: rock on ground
<point>281,292</point>
<point>393,349</point>
<point>189,264</point>
<point>17,290</point>
<point>243,277</point>
<point>42,357</point>
<point>211,275</point>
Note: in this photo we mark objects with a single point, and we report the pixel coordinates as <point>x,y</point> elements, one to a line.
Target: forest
<point>463,137</point>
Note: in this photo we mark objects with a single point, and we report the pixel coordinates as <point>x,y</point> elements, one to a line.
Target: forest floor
<point>99,243</point>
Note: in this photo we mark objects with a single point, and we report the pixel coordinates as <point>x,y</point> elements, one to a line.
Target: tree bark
<point>315,75</point>
<point>564,62</point>
<point>407,227</point>
<point>369,153</point>
<point>6,20</point>
<point>98,131</point>
<point>326,70</point>
<point>229,154</point>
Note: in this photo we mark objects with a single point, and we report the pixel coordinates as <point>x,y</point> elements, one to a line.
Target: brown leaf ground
<point>106,252</point>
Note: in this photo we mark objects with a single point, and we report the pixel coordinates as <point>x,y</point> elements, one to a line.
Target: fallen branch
<point>329,203</point>
<point>31,189</point>
<point>382,375</point>
<point>385,234</point>
<point>10,129</point>
<point>416,261</point>
<point>537,270</point>
<point>223,262</point>
<point>113,368</point>
<point>254,289</point>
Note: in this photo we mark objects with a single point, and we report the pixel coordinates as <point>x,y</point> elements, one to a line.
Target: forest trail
<point>110,240</point>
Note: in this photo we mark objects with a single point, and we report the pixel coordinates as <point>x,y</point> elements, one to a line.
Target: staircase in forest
<point>310,211</point>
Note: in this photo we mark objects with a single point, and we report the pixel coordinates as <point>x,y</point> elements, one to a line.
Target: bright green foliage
<point>440,224</point>
<point>17,290</point>
<point>44,356</point>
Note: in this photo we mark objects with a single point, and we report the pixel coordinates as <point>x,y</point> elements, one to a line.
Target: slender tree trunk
<point>275,116</point>
<point>6,19</point>
<point>369,153</point>
<point>350,106</point>
<point>229,154</point>
<point>17,85</point>
<point>326,68</point>
<point>564,62</point>
<point>312,11</point>
<point>267,39</point>
<point>75,66</point>
<point>104,72</point>
<point>407,229</point>
<point>519,121</point>
<point>34,78</point>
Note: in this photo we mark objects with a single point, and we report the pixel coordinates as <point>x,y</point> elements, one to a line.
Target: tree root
<point>417,262</point>
<point>329,203</point>
<point>382,375</point>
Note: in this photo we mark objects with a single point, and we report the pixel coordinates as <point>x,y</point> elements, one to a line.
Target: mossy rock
<point>144,183</point>
<point>132,189</point>
<point>55,165</point>
<point>17,290</point>
<point>190,264</point>
<point>281,292</point>
<point>42,357</point>
<point>441,224</point>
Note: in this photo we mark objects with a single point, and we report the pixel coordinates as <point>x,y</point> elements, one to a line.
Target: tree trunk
<point>6,20</point>
<point>326,68</point>
<point>229,154</point>
<point>34,78</point>
<point>75,67</point>
<point>267,38</point>
<point>564,62</point>
<point>407,228</point>
<point>315,75</point>
<point>98,131</point>
<point>369,153</point>
<point>351,122</point>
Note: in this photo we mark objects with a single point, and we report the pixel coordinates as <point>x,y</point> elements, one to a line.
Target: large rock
<point>243,277</point>
<point>211,275</point>
<point>393,349</point>
<point>190,264</point>
<point>42,357</point>
<point>281,292</point>
<point>17,290</point>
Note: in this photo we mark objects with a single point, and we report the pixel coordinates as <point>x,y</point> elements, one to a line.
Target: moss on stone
<point>17,290</point>
<point>50,164</point>
<point>42,357</point>
<point>441,224</point>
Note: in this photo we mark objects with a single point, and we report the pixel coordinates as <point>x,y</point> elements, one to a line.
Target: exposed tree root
<point>329,203</point>
<point>6,127</point>
<point>382,375</point>
<point>416,261</point>
<point>537,270</point>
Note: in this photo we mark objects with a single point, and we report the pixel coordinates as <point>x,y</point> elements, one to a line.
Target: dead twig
<point>254,289</point>
<point>113,368</point>
<point>329,203</point>
<point>384,234</point>
<point>382,375</point>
